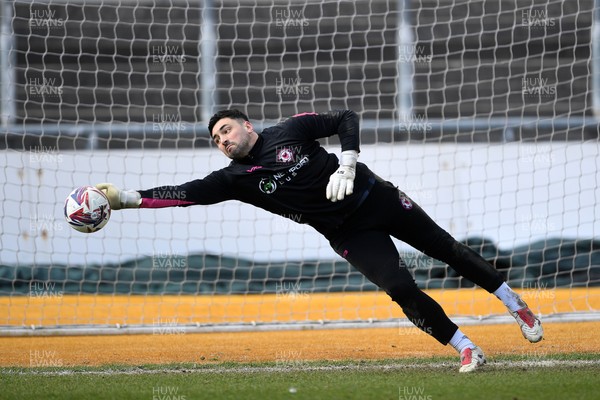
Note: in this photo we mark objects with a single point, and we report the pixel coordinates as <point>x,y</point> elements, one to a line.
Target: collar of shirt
<point>254,151</point>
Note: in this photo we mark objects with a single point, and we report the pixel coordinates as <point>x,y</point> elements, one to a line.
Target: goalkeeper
<point>285,170</point>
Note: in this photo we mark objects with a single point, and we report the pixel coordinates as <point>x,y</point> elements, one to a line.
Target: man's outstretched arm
<point>209,190</point>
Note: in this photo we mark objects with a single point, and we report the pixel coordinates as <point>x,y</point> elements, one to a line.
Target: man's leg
<point>374,254</point>
<point>414,227</point>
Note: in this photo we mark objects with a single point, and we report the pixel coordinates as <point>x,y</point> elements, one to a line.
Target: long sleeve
<point>344,123</point>
<point>210,190</point>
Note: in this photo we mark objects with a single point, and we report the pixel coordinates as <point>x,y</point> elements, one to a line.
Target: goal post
<point>485,113</point>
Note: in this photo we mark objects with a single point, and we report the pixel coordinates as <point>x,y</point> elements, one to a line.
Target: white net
<point>483,112</point>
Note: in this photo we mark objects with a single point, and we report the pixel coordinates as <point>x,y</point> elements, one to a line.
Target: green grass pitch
<point>552,377</point>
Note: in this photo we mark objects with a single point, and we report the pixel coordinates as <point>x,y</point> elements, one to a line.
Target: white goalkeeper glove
<point>341,183</point>
<point>118,198</point>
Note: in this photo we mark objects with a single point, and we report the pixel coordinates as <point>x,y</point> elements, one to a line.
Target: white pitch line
<point>297,366</point>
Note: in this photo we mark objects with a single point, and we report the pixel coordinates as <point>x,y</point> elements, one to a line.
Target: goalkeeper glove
<point>118,198</point>
<point>341,183</point>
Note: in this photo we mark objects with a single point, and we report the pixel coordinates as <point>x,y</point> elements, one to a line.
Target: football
<point>87,209</point>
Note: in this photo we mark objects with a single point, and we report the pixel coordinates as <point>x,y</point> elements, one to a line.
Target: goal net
<point>484,112</point>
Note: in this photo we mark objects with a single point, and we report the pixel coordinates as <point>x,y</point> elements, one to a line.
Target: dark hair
<point>232,113</point>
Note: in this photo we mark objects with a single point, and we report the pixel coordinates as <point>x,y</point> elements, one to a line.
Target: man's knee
<point>403,292</point>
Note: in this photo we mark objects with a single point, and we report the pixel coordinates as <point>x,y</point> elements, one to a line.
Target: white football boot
<point>471,359</point>
<point>531,326</point>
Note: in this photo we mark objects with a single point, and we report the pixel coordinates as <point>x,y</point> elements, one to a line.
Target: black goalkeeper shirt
<point>286,173</point>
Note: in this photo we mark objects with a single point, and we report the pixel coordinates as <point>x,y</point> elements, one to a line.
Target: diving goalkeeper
<point>285,170</point>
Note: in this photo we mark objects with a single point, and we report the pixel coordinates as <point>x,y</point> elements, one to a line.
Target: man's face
<point>233,137</point>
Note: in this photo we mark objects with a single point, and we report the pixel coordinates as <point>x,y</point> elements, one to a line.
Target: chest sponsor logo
<point>291,173</point>
<point>267,185</point>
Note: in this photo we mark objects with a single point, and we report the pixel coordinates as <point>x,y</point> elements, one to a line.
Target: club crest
<point>285,155</point>
<point>405,201</point>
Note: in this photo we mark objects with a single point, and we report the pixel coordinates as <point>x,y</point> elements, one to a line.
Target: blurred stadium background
<point>484,112</point>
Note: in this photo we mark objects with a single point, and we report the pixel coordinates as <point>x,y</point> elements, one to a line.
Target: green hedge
<point>550,263</point>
